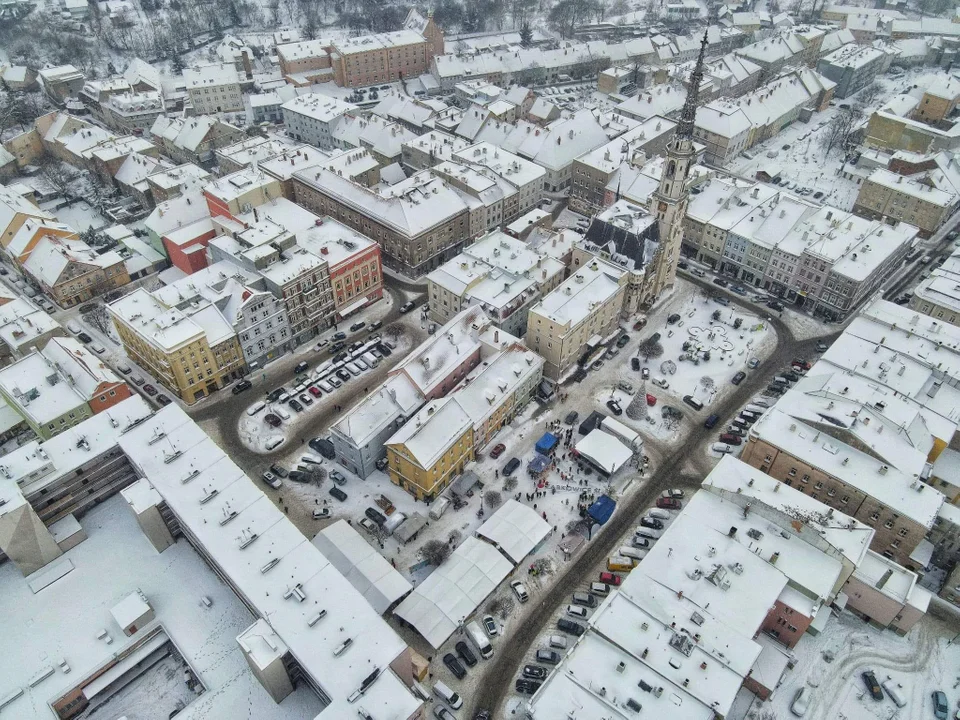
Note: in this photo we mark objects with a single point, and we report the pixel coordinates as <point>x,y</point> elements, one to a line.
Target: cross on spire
<point>688,115</point>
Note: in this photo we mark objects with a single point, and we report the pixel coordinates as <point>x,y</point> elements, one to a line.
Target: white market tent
<point>454,590</point>
<point>515,529</point>
<point>604,451</point>
<point>365,568</point>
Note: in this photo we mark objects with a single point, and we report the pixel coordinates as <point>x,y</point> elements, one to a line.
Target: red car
<point>610,578</point>
<point>801,363</point>
<point>730,439</point>
<point>651,400</point>
<point>150,390</point>
<point>668,503</point>
<point>497,450</point>
<point>315,391</point>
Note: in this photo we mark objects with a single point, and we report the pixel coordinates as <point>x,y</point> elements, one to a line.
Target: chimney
<point>247,67</point>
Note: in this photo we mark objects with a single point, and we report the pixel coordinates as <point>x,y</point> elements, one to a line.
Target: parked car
<point>625,386</point>
<point>98,348</point>
<point>511,467</point>
<point>407,307</point>
<point>673,319</point>
<point>527,687</point>
<point>940,707</point>
<point>570,627</point>
<point>635,364</point>
<point>614,407</point>
<point>278,470</point>
<point>623,340</point>
<point>357,326</point>
<point>163,400</point>
<point>490,625</point>
<point>753,363</point>
<point>801,363</point>
<point>519,590</point>
<point>315,391</point>
<point>301,367</point>
<point>272,480</point>
<point>305,399</point>
<point>450,660</point>
<point>730,439</point>
<point>337,493</point>
<point>375,325</point>
<point>272,420</point>
<point>571,417</point>
<point>668,503</point>
<point>610,578</point>
<point>551,657</point>
<point>711,421</point>
<point>465,653</point>
<point>324,447</point>
<point>338,477</point>
<point>375,515</point>
<point>442,712</point>
<point>722,448</point>
<point>801,701</point>
<point>640,324</point>
<point>822,347</point>
<point>535,672</point>
<point>84,338</point>
<point>775,305</point>
<point>873,687</point>
<point>721,300</point>
<point>720,281</point>
<point>295,404</point>
<point>498,450</point>
<point>738,378</point>
<point>645,373</point>
<point>241,386</point>
<point>651,523</point>
<point>693,402</point>
<point>150,390</point>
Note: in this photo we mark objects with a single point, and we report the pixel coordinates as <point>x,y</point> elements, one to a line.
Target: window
<point>874,517</point>
<point>888,524</point>
<point>902,532</point>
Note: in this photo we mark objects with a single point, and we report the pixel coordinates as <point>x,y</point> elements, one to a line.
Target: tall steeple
<point>688,115</point>
<point>669,202</point>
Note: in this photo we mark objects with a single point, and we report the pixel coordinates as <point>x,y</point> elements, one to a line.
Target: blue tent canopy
<point>539,463</point>
<point>602,509</point>
<point>547,443</point>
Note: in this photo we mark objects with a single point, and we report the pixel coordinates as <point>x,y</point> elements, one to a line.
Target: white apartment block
<point>312,118</point>
<point>214,88</point>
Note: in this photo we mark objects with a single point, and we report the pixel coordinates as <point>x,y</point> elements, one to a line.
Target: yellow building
<point>431,449</point>
<point>583,309</point>
<point>191,355</point>
<point>939,100</point>
<point>893,197</point>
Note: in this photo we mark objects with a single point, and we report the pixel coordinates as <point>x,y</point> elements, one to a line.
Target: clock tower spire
<point>670,199</point>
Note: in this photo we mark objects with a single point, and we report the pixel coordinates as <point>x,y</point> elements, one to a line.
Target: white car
<point>98,348</point>
<point>801,701</point>
<point>722,448</point>
<point>519,590</point>
<point>322,513</point>
<point>74,328</point>
<point>368,525</point>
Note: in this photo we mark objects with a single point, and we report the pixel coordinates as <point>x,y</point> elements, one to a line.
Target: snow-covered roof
<point>442,602</point>
<point>52,256</point>
<point>212,75</point>
<point>397,398</point>
<point>186,177</point>
<point>897,490</point>
<point>582,686</point>
<point>187,133</point>
<point>516,170</point>
<point>604,450</point>
<point>723,118</point>
<point>319,107</point>
<point>362,565</point>
<point>621,149</point>
<point>303,50</point>
<point>891,579</point>
<point>437,143</point>
<point>576,299</point>
<point>39,391</point>
<point>849,536</point>
<point>908,186</point>
<point>12,204</point>
<point>515,529</point>
<point>663,100</point>
<point>412,207</point>
<point>380,41</point>
<point>252,150</point>
<point>485,388</point>
<point>22,323</point>
<point>79,367</point>
<point>166,327</point>
<point>428,435</point>
<point>285,579</point>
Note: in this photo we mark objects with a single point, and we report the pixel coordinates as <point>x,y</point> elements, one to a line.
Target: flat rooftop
<point>572,302</point>
<point>892,487</point>
<point>64,619</point>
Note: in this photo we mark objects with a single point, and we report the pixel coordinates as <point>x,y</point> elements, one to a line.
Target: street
<point>500,672</point>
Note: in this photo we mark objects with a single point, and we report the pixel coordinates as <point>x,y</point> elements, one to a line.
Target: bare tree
<point>435,552</point>
<point>651,348</point>
<point>707,382</point>
<point>454,537</point>
<point>840,128</point>
<point>870,94</point>
<point>501,606</point>
<point>510,484</point>
<point>99,317</point>
<point>58,173</point>
<point>492,499</point>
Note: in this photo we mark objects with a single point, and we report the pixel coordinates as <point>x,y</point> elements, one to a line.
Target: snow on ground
<point>921,662</point>
<point>80,216</point>
<point>570,219</point>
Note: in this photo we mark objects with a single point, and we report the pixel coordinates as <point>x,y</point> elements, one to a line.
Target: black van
<point>338,493</point>
<point>301,367</point>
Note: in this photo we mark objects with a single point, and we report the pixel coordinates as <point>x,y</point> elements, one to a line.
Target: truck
<point>438,507</point>
<point>479,639</point>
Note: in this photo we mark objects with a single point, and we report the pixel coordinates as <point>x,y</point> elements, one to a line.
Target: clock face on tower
<point>662,207</point>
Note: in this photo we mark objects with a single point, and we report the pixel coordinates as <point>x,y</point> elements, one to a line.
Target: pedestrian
<point>286,509</point>
<point>316,501</point>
